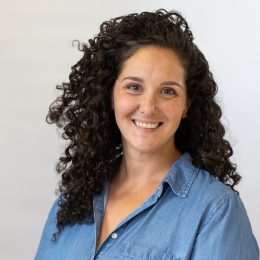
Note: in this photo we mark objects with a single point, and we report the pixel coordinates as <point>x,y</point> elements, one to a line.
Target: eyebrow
<point>167,83</point>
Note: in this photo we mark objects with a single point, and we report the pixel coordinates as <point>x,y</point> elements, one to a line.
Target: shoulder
<point>214,194</point>
<point>224,222</point>
<point>213,216</point>
<point>222,209</point>
<point>209,185</point>
<point>200,189</point>
<point>48,230</point>
<point>51,221</point>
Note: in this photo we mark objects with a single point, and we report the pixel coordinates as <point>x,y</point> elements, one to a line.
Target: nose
<point>148,104</point>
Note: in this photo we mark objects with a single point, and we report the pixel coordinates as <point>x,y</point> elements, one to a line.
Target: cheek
<point>173,110</point>
<point>124,105</point>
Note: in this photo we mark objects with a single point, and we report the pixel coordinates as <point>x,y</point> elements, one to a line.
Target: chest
<point>119,205</point>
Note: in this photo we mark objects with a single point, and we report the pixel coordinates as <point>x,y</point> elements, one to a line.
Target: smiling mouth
<point>147,125</point>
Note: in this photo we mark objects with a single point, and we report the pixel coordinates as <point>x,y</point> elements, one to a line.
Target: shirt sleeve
<point>226,234</point>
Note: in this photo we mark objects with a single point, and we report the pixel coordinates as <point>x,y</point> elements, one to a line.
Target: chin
<point>146,148</point>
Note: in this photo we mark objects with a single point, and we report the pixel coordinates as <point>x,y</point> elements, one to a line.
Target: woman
<point>146,174</point>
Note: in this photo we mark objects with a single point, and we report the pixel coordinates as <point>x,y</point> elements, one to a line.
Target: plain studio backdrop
<point>36,54</point>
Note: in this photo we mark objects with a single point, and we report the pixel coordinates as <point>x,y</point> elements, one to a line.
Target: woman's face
<point>149,99</point>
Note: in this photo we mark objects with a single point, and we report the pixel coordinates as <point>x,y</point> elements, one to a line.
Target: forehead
<point>153,62</point>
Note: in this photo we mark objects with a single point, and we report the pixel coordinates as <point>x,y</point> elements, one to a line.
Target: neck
<point>139,168</point>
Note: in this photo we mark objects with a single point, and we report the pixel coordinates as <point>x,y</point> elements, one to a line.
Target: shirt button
<point>114,235</point>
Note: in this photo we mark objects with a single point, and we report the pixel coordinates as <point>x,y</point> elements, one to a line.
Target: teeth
<point>145,125</point>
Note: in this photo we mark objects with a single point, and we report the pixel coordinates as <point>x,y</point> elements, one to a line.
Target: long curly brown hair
<point>83,110</point>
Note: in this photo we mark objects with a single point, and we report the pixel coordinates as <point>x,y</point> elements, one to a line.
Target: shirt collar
<point>181,175</point>
<point>180,178</point>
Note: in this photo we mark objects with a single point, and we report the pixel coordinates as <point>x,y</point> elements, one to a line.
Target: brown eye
<point>134,88</point>
<point>168,91</point>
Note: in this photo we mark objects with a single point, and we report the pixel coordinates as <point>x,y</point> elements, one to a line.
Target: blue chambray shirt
<point>191,215</point>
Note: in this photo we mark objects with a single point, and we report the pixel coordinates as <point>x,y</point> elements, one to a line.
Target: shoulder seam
<point>218,205</point>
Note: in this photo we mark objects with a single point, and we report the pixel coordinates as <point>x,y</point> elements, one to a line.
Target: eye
<point>134,88</point>
<point>168,91</point>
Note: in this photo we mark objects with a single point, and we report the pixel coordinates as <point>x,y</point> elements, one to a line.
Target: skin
<point>151,89</point>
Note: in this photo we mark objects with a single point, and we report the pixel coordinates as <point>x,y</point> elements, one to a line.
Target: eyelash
<point>130,87</point>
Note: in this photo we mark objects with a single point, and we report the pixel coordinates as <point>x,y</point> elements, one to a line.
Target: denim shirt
<point>191,215</point>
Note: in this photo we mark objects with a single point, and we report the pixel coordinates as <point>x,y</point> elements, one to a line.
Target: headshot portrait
<point>147,172</point>
<point>143,150</point>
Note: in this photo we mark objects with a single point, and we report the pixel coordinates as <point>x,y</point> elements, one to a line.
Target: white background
<point>36,54</point>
